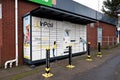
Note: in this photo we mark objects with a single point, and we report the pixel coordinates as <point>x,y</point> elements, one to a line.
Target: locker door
<point>60,35</point>
<point>36,39</point>
<point>66,37</point>
<point>45,36</point>
<point>53,37</point>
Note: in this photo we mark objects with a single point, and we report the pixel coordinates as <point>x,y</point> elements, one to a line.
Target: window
<point>0,11</point>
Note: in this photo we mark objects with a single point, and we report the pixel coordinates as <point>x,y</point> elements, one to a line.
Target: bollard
<point>99,50</point>
<point>88,50</point>
<point>70,58</point>
<point>47,69</point>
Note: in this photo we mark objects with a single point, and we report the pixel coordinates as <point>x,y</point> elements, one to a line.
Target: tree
<point>110,7</point>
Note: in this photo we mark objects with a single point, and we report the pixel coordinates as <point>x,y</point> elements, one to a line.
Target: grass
<point>22,75</point>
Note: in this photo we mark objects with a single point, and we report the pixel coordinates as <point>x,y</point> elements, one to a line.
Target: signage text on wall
<point>46,24</point>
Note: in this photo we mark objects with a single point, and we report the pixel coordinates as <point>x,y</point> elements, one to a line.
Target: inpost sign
<point>44,2</point>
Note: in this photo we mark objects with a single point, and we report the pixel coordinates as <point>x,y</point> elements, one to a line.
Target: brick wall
<point>91,35</point>
<point>0,38</point>
<point>107,30</point>
<point>0,33</point>
<point>8,47</point>
<point>109,33</point>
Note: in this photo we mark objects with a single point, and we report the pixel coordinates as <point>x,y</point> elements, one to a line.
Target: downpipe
<point>10,62</point>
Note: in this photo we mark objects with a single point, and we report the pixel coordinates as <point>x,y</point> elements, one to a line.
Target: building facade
<point>118,26</point>
<point>103,32</point>
<point>70,13</point>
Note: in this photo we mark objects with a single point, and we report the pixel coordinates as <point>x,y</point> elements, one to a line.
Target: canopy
<point>62,15</point>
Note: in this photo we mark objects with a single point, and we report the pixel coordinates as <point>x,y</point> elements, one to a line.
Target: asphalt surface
<point>105,68</point>
<point>107,71</point>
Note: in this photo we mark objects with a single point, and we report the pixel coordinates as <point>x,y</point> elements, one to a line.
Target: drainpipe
<point>16,38</point>
<point>16,31</point>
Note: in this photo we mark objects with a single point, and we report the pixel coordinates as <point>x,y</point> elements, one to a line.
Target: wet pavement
<point>105,68</point>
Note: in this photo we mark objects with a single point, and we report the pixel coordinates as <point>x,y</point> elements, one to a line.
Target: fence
<point>109,40</point>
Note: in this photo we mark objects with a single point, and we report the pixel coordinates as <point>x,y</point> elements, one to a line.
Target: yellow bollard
<point>47,73</point>
<point>99,50</point>
<point>70,66</point>
<point>88,50</point>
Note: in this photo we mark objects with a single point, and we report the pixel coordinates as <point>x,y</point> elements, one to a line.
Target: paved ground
<point>80,72</point>
<point>106,71</point>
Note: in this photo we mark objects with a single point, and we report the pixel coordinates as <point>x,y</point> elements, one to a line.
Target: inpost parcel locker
<point>42,33</point>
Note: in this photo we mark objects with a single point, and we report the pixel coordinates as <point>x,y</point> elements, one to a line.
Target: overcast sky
<point>92,3</point>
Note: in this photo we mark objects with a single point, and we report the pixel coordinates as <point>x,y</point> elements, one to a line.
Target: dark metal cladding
<point>82,10</point>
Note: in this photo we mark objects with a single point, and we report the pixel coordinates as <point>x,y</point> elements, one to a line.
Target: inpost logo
<point>47,24</point>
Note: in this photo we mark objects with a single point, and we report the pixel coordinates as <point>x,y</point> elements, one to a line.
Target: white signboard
<point>99,35</point>
<point>0,11</point>
<point>26,27</point>
<point>118,26</point>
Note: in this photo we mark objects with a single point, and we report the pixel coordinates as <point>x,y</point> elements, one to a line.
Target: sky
<point>92,4</point>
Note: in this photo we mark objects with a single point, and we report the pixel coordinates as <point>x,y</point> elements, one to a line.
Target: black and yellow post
<point>70,58</point>
<point>47,73</point>
<point>88,50</point>
<point>99,50</point>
